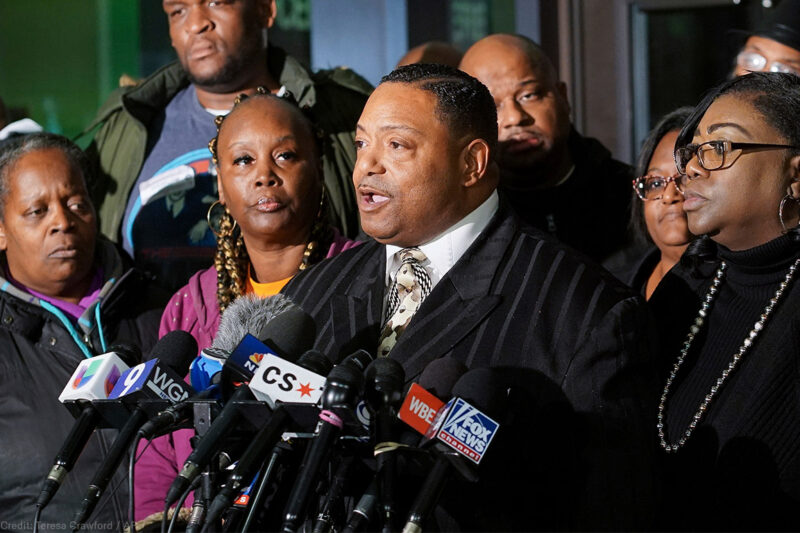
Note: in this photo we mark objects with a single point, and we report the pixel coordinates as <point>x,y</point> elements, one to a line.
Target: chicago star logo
<point>306,389</point>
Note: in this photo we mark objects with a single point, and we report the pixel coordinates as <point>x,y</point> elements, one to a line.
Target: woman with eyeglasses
<point>774,46</point>
<point>658,223</point>
<point>728,420</point>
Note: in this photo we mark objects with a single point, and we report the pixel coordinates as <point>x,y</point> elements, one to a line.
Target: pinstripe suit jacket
<point>571,338</point>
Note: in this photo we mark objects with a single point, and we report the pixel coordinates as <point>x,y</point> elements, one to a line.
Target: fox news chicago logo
<point>467,430</point>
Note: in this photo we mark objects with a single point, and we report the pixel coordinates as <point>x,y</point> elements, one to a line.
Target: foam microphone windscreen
<point>484,389</point>
<point>441,375</point>
<point>248,314</point>
<point>290,333</point>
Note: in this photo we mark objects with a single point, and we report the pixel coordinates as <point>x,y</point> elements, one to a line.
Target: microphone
<point>289,333</point>
<point>418,411</point>
<point>312,362</point>
<point>358,360</point>
<point>180,413</point>
<point>158,378</point>
<point>248,315</point>
<point>92,380</point>
<point>383,395</point>
<point>278,380</point>
<point>342,390</point>
<point>441,375</point>
<point>465,429</point>
<point>252,315</point>
<point>423,399</point>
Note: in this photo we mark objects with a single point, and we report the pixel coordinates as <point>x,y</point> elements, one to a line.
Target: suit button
<point>8,319</point>
<point>53,341</point>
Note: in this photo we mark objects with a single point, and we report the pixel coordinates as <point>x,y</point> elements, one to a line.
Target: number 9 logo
<point>132,378</point>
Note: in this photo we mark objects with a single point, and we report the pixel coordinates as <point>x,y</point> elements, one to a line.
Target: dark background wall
<point>626,62</point>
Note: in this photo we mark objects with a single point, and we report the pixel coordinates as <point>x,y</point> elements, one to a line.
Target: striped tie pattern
<point>412,285</point>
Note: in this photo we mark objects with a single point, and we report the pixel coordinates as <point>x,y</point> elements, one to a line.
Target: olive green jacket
<point>333,98</point>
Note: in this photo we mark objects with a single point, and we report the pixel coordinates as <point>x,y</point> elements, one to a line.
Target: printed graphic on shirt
<point>167,225</point>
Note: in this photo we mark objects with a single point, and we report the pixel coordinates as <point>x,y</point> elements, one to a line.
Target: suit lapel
<point>356,314</point>
<point>459,302</point>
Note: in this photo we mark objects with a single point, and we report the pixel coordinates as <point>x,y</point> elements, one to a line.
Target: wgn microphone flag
<point>157,380</point>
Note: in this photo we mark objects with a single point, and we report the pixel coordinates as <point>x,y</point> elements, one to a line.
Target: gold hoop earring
<point>211,218</point>
<point>780,210</point>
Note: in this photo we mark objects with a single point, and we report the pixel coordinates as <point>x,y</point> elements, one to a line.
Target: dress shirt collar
<point>445,250</point>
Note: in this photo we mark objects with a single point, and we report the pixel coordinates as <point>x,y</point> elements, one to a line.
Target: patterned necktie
<point>412,284</point>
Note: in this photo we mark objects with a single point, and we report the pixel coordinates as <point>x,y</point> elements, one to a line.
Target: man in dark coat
<point>155,181</point>
<point>567,341</point>
<point>555,178</point>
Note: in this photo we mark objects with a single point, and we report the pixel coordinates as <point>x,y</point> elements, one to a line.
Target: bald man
<point>556,179</point>
<point>432,52</point>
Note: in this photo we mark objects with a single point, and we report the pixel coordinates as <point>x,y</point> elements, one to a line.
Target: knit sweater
<point>740,469</point>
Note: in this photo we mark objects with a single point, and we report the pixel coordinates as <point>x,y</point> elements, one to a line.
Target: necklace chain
<point>693,331</point>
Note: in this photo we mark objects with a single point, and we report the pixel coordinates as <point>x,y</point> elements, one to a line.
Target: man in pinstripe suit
<point>572,344</point>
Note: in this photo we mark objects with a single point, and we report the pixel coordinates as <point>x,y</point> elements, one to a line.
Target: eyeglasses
<point>712,155</point>
<point>755,62</point>
<point>652,187</point>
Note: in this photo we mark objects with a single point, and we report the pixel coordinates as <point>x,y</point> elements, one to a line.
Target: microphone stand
<point>266,474</point>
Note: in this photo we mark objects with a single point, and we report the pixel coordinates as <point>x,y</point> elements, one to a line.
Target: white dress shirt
<point>447,248</point>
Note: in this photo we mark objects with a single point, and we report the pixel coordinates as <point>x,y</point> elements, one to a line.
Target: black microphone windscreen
<point>360,360</point>
<point>484,389</point>
<point>384,379</point>
<point>247,314</point>
<point>290,332</point>
<point>440,376</point>
<point>176,350</point>
<point>130,353</point>
<point>384,368</point>
<point>316,362</point>
<point>344,383</point>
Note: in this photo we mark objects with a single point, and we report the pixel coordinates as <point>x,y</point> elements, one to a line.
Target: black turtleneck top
<point>749,282</point>
<point>740,469</point>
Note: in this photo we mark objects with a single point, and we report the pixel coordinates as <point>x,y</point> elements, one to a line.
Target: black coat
<point>589,211</point>
<point>633,265</point>
<point>569,339</point>
<point>37,357</point>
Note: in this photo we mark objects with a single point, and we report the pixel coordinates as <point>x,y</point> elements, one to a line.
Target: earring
<point>321,209</point>
<point>211,218</point>
<point>780,210</point>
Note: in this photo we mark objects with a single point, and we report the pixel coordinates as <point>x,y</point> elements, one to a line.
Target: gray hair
<point>16,148</point>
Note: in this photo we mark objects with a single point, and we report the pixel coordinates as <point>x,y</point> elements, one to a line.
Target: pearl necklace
<point>693,330</point>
